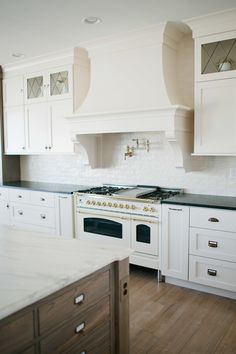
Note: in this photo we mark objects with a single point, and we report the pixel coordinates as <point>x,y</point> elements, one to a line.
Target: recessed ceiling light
<point>92,20</point>
<point>18,55</point>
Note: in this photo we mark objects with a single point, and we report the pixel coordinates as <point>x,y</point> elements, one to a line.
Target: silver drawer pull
<point>42,199</point>
<point>19,196</point>
<point>8,206</point>
<point>175,209</point>
<point>20,212</point>
<point>43,216</point>
<point>83,352</point>
<point>79,299</point>
<point>212,272</point>
<point>213,220</point>
<point>213,244</point>
<point>80,327</point>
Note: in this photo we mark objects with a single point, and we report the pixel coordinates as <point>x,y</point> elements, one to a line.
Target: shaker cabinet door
<point>38,127</point>
<point>14,130</point>
<point>215,117</point>
<point>13,93</point>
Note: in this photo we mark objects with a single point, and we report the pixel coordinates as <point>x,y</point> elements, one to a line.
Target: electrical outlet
<point>232,173</point>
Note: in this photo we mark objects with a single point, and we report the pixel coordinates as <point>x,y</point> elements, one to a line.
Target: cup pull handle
<point>213,220</point>
<point>212,272</point>
<point>213,244</point>
<point>79,299</point>
<point>80,327</point>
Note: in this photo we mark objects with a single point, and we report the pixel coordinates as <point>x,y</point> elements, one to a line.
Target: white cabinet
<point>212,251</point>
<point>14,130</point>
<point>38,127</point>
<point>174,241</point>
<point>13,93</point>
<point>215,117</point>
<point>51,84</point>
<point>65,215</point>
<point>49,213</point>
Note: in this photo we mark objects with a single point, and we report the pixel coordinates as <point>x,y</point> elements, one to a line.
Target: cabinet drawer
<point>212,272</point>
<point>214,244</point>
<point>73,302</point>
<point>78,329</point>
<point>19,195</point>
<point>215,219</point>
<point>42,198</point>
<point>4,194</point>
<point>30,214</point>
<point>16,334</point>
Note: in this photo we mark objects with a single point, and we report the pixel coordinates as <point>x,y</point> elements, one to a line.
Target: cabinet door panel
<point>35,87</point>
<point>60,133</point>
<point>215,117</point>
<point>38,127</point>
<point>13,91</point>
<point>174,241</point>
<point>14,130</point>
<point>65,215</point>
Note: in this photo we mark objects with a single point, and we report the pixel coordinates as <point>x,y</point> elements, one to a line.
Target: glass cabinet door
<point>34,87</point>
<point>60,81</point>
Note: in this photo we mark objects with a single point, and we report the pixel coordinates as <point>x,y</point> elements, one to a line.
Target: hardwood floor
<point>168,319</point>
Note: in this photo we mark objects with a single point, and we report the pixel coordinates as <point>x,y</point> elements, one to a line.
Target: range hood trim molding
<point>89,132</point>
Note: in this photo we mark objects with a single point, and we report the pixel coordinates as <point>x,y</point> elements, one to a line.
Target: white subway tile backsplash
<point>154,168</point>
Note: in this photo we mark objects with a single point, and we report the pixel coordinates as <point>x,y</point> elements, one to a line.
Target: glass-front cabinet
<point>48,85</point>
<point>216,56</point>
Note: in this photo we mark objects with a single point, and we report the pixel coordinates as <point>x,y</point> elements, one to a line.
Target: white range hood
<point>134,87</point>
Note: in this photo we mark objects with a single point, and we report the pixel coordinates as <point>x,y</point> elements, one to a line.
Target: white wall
<point>153,168</point>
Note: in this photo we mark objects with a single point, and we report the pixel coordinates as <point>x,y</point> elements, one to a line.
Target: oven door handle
<point>105,215</point>
<point>147,221</point>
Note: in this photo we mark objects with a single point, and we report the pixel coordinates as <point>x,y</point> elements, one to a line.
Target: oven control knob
<point>133,207</point>
<point>98,203</point>
<point>109,204</point>
<point>152,210</point>
<point>88,202</point>
<point>93,202</point>
<point>145,209</point>
<point>127,206</point>
<point>115,205</point>
<point>121,206</point>
<point>104,203</point>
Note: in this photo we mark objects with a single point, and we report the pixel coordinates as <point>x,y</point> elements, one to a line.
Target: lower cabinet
<point>174,241</point>
<point>199,245</point>
<point>49,213</point>
<point>90,316</point>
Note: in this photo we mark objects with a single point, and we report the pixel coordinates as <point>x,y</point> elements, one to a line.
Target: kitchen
<point>141,135</point>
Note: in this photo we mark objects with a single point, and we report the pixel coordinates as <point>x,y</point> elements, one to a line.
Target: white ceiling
<point>35,27</point>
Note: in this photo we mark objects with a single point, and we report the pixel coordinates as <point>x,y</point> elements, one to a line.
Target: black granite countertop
<point>202,200</point>
<point>46,187</point>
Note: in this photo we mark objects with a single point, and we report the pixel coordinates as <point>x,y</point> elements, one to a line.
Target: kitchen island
<point>62,296</point>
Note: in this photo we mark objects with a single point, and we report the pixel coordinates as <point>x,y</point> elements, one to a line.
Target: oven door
<point>103,227</point>
<point>144,235</point>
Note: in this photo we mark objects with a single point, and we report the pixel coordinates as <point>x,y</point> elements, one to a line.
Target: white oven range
<point>124,217</point>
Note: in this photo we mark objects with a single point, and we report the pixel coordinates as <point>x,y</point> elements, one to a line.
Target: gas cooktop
<point>139,192</point>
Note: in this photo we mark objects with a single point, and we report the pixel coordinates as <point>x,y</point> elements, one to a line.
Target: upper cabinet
<point>215,84</point>
<point>38,96</point>
<point>53,84</point>
<point>13,91</point>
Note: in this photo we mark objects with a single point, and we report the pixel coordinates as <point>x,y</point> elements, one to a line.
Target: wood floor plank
<point>170,319</point>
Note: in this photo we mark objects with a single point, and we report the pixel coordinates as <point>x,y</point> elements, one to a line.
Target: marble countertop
<point>202,200</point>
<point>33,266</point>
<point>46,187</point>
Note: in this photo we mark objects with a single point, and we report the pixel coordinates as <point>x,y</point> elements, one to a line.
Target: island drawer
<point>42,198</point>
<point>213,244</point>
<point>16,334</point>
<point>77,330</point>
<point>19,195</point>
<point>44,217</point>
<point>212,272</point>
<point>215,219</point>
<point>73,301</point>
<point>4,194</point>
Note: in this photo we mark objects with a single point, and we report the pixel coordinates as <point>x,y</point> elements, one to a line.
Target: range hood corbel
<point>134,88</point>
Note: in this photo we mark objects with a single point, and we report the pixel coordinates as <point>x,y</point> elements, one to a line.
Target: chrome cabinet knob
<point>43,216</point>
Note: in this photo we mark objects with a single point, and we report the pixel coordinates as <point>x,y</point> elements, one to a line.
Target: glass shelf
<point>218,56</point>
